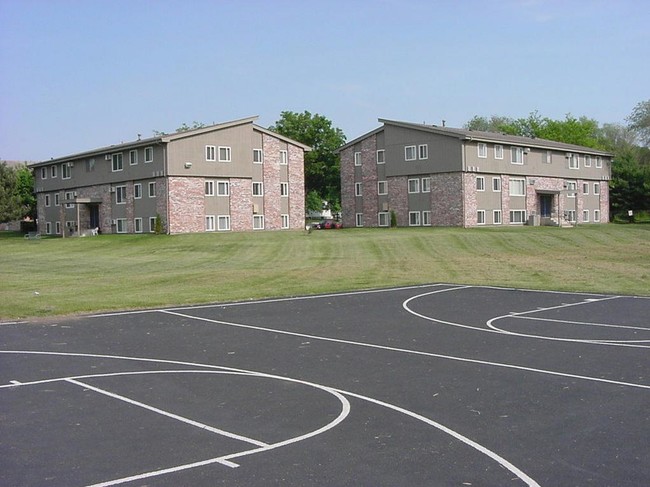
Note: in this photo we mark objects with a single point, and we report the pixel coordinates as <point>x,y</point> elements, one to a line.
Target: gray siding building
<point>438,176</point>
<point>233,176</point>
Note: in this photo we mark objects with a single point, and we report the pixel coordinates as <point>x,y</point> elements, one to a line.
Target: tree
<point>322,164</point>
<point>16,193</point>
<point>25,191</point>
<point>639,121</point>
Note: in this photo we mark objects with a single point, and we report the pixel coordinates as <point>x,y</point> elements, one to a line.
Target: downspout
<point>165,172</point>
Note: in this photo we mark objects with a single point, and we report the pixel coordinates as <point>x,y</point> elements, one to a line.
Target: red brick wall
<point>296,187</point>
<point>186,205</point>
<point>241,205</point>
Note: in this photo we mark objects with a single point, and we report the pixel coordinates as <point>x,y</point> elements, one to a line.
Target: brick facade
<point>296,175</point>
<point>186,205</point>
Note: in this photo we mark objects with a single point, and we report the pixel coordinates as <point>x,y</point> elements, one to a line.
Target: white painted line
<point>584,323</point>
<point>15,382</point>
<point>168,414</point>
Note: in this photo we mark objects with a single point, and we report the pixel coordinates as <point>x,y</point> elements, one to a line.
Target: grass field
<point>54,276</point>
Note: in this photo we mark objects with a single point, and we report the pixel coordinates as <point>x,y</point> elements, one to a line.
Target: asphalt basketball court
<point>420,386</point>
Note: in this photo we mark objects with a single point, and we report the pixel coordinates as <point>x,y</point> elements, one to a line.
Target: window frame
<point>498,151</point>
<point>385,217</point>
<point>53,171</point>
<point>482,150</point>
<point>415,219</point>
<point>284,157</point>
<point>426,218</point>
<point>258,156</point>
<point>358,220</point>
<point>152,189</point>
<point>413,185</point>
<point>284,221</point>
<point>496,184</point>
<point>223,218</point>
<point>258,222</point>
<point>257,188</point>
<point>408,150</point>
<point>358,189</point>
<point>520,181</point>
<point>210,223</point>
<point>117,162</point>
<point>211,153</point>
<point>522,213</point>
<point>480,217</point>
<point>382,159</point>
<point>357,159</point>
<point>226,152</point>
<point>423,152</point>
<point>121,225</point>
<point>137,225</point>
<point>516,155</point>
<point>66,170</point>
<point>425,186</point>
<point>597,188</point>
<point>284,189</point>
<point>209,187</point>
<point>480,183</point>
<point>137,191</point>
<point>133,157</point>
<point>223,184</point>
<point>148,155</point>
<point>496,217</point>
<point>120,195</point>
<point>382,187</point>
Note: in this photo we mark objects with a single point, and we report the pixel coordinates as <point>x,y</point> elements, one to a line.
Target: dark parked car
<point>327,225</point>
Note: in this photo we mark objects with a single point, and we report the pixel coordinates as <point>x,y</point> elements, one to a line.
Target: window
<point>573,161</point>
<point>414,185</point>
<point>225,154</point>
<point>133,157</point>
<point>409,153</point>
<point>223,223</point>
<point>48,228</point>
<point>284,221</point>
<point>496,184</point>
<point>223,188</point>
<point>258,156</point>
<point>517,216</point>
<point>117,162</point>
<point>498,152</point>
<point>210,153</point>
<point>585,188</point>
<point>571,189</point>
<point>516,155</point>
<point>258,189</point>
<point>148,154</point>
<point>517,187</point>
<point>57,228</point>
<point>383,219</point>
<point>121,225</point>
<point>382,187</point>
<point>283,158</point>
<point>480,217</point>
<point>209,188</point>
<point>120,195</point>
<point>482,150</point>
<point>152,190</point>
<point>357,189</point>
<point>596,215</point>
<point>480,183</point>
<point>137,225</point>
<point>357,158</point>
<point>414,218</point>
<point>570,215</point>
<point>90,165</point>
<point>585,216</point>
<point>496,217</point>
<point>152,224</point>
<point>596,188</point>
<point>587,161</point>
<point>52,171</point>
<point>547,158</point>
<point>358,219</point>
<point>258,222</point>
<point>137,191</point>
<point>43,173</point>
<point>56,199</point>
<point>426,218</point>
<point>66,170</point>
<point>69,196</point>
<point>47,200</point>
<point>209,223</point>
<point>284,189</point>
<point>381,156</point>
<point>423,151</point>
<point>599,162</point>
<point>426,185</point>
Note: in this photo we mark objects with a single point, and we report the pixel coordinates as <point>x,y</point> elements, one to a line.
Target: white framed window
<point>148,154</point>
<point>225,154</point>
<point>585,216</point>
<point>498,152</point>
<point>496,217</point>
<point>90,165</point>
<point>596,188</point>
<point>57,228</point>
<point>209,188</point>
<point>284,159</point>
<point>570,215</point>
<point>414,185</point>
<point>258,222</point>
<point>482,150</point>
<point>547,157</point>
<point>599,162</point>
<point>66,170</point>
<point>571,188</point>
<point>357,189</point>
<point>284,221</point>
<point>120,195</point>
<point>573,161</point>
<point>137,191</point>
<point>357,158</point>
<point>43,173</point>
<point>52,171</point>
<point>480,183</point>
<point>47,200</point>
<point>209,223</point>
<point>480,217</point>
<point>284,189</point>
<point>258,156</point>
<point>585,188</point>
<point>137,225</point>
<point>117,163</point>
<point>133,157</point>
<point>517,187</point>
<point>423,151</point>
<point>121,225</point>
<point>358,219</point>
<point>410,153</point>
<point>57,199</point>
<point>517,217</point>
<point>382,187</point>
<point>426,218</point>
<point>496,185</point>
<point>210,153</point>
<point>381,156</point>
<point>516,155</point>
<point>223,223</point>
<point>258,189</point>
<point>596,215</point>
<point>48,228</point>
<point>414,218</point>
<point>152,224</point>
<point>223,188</point>
<point>152,189</point>
<point>426,185</point>
<point>69,195</point>
<point>383,219</point>
<point>587,161</point>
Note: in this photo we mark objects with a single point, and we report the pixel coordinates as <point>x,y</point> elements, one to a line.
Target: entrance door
<point>94,216</point>
<point>545,205</point>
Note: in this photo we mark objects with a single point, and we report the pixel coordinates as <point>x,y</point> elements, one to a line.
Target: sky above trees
<point>83,74</point>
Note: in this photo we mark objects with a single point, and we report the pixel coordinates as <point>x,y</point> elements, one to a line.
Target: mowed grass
<point>54,276</point>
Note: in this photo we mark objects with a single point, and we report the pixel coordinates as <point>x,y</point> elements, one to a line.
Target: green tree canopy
<point>322,164</point>
<point>639,121</point>
<point>16,193</point>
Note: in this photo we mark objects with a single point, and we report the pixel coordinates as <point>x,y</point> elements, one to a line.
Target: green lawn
<point>54,276</point>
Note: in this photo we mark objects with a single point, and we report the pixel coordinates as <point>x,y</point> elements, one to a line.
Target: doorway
<point>94,216</point>
<point>545,205</point>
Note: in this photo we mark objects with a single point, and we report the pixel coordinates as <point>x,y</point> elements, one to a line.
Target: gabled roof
<point>491,137</point>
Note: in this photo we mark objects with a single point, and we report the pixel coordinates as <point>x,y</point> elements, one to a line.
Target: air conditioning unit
<point>70,164</point>
<point>112,189</point>
<point>256,208</point>
<point>113,222</point>
<point>568,155</point>
<point>107,157</point>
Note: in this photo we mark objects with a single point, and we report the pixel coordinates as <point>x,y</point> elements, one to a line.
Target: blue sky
<point>78,75</point>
